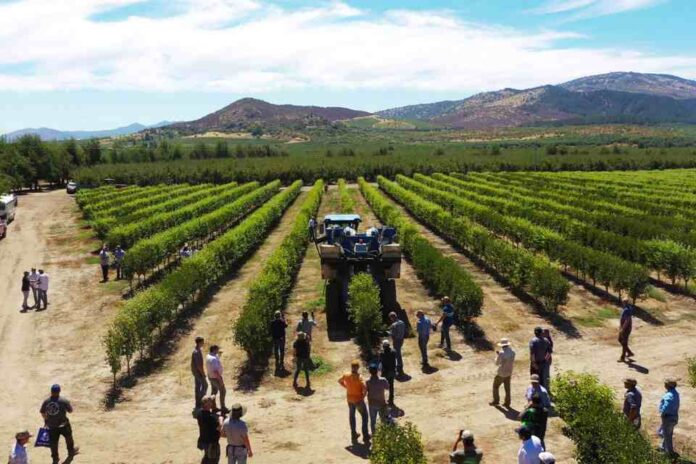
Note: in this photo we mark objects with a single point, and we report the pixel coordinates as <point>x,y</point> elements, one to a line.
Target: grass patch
<point>691,364</point>
<point>598,318</point>
<point>656,294</point>
<point>92,260</point>
<point>321,366</point>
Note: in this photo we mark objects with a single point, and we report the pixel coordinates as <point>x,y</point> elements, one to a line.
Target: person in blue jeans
<point>423,328</point>
<point>446,319</point>
<point>669,414</point>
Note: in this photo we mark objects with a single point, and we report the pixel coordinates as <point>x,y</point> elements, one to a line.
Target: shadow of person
<point>402,377</point>
<point>509,413</point>
<point>282,372</point>
<point>637,367</point>
<point>453,355</point>
<point>304,391</point>
<point>396,412</point>
<point>358,449</point>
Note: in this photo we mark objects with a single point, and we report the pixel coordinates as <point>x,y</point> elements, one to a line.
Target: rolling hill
<point>52,134</point>
<point>615,97</point>
<point>247,113</point>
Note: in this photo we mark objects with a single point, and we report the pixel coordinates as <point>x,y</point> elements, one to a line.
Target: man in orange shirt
<point>355,393</point>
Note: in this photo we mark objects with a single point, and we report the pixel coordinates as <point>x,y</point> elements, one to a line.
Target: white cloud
<point>592,8</point>
<point>249,47</point>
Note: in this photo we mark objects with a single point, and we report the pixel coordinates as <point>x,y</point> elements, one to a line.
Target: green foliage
<point>346,202</point>
<point>691,365</point>
<point>601,433</point>
<point>365,310</point>
<point>441,274</point>
<point>143,317</point>
<point>397,444</point>
<point>272,286</point>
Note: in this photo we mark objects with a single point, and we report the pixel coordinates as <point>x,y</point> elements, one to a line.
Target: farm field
<point>519,249</point>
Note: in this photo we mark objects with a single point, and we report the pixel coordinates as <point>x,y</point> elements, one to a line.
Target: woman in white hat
<point>18,453</point>
<point>505,359</point>
<point>237,434</point>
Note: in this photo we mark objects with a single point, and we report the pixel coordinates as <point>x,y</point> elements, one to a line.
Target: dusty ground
<point>153,424</point>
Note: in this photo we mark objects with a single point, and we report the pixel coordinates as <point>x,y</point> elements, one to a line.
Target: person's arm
<point>499,358</point>
<point>459,438</point>
<point>342,382</point>
<point>68,406</point>
<point>247,443</point>
<point>200,365</point>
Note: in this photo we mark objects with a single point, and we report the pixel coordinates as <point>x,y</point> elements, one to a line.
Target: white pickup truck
<point>8,207</point>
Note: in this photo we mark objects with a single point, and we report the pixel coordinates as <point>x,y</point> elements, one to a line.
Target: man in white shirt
<point>305,325</point>
<point>505,360</point>
<point>34,283</point>
<point>18,453</point>
<point>43,289</point>
<point>531,447</point>
<point>214,368</point>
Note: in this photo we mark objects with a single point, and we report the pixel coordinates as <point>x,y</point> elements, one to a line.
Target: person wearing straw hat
<point>633,399</point>
<point>535,388</point>
<point>18,453</point>
<point>505,359</point>
<point>470,454</point>
<point>237,434</point>
<point>669,414</point>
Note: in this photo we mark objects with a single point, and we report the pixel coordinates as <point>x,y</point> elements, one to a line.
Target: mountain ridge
<point>46,133</point>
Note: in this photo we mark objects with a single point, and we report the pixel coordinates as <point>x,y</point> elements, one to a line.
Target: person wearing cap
<point>54,411</point>
<point>538,352</point>
<point>306,325</point>
<point>355,395</point>
<point>470,454</point>
<point>397,331</point>
<point>200,385</point>
<point>505,360</point>
<point>376,401</point>
<point>237,434</point>
<point>301,349</point>
<point>547,458</point>
<point>625,328</point>
<point>34,284</point>
<point>278,327</point>
<point>18,453</point>
<point>535,417</point>
<point>537,389</point>
<point>669,414</point>
<point>446,319</point>
<point>633,399</point>
<point>423,327</point>
<point>387,359</point>
<point>531,447</point>
<point>209,428</point>
<point>217,382</point>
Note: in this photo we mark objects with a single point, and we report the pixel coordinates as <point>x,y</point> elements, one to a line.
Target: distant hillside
<point>52,134</point>
<point>247,113</point>
<point>616,97</point>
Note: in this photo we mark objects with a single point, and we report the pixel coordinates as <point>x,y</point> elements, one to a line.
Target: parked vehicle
<point>8,206</point>
<point>71,187</point>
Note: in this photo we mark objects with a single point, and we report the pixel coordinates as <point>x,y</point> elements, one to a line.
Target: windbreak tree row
<point>146,254</point>
<point>271,288</point>
<point>128,234</point>
<point>442,274</point>
<point>522,269</point>
<point>139,320</point>
<point>597,266</point>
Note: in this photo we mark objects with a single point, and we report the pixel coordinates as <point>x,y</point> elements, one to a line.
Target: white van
<point>8,207</point>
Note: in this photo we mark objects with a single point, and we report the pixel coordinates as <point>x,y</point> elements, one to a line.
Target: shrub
<point>365,310</point>
<point>601,433</point>
<point>397,444</point>
<point>691,362</point>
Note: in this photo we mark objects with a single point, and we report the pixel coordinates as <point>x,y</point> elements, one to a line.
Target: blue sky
<point>97,64</point>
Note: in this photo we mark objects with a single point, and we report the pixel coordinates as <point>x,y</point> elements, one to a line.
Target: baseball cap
<point>547,458</point>
<point>55,388</point>
<point>534,378</point>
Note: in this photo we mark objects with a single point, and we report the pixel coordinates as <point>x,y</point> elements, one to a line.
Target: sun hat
<point>385,343</point>
<point>504,342</point>
<point>238,407</point>
<point>547,458</point>
<point>466,434</point>
<point>534,378</point>
<point>355,362</point>
<point>23,434</point>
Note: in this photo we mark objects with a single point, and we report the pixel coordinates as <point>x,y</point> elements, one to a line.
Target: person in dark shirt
<point>446,319</point>
<point>535,418</point>
<point>470,454</point>
<point>625,328</point>
<point>302,358</point>
<point>538,351</point>
<point>209,426</point>
<point>26,287</point>
<point>54,411</point>
<point>633,400</point>
<point>200,384</point>
<point>278,326</point>
<point>387,359</point>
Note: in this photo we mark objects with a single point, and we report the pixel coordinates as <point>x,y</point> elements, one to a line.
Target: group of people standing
<point>114,259</point>
<point>35,283</point>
